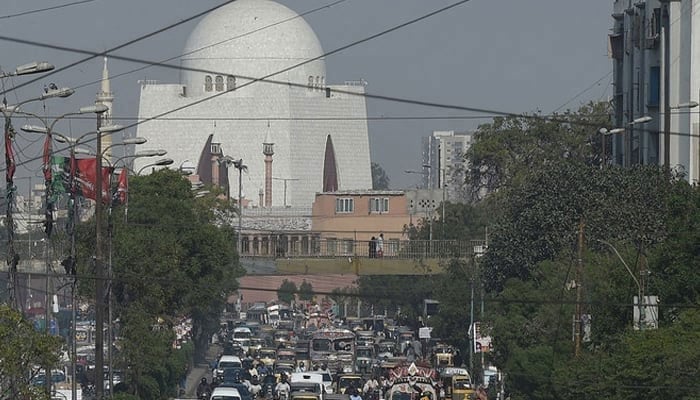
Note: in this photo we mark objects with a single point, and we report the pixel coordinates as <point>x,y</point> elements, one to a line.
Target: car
<point>241,387</point>
<point>225,393</point>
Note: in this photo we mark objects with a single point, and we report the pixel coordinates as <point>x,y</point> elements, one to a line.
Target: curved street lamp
<point>35,67</point>
<point>160,163</point>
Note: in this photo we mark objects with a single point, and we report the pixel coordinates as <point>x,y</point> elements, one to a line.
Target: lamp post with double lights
<point>628,131</point>
<point>69,264</point>
<point>110,231</point>
<point>47,129</point>
<point>238,164</point>
<point>8,111</point>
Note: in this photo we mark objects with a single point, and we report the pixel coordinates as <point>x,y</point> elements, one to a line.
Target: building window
<point>344,205</point>
<point>379,205</point>
<point>219,83</point>
<point>230,82</point>
<point>654,86</point>
<point>207,83</point>
<point>311,82</point>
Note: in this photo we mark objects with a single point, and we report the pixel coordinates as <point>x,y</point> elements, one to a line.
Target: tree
<point>380,180</point>
<point>505,151</point>
<point>397,292</point>
<point>172,259</point>
<point>306,291</point>
<point>287,291</point>
<point>23,349</point>
<point>540,217</point>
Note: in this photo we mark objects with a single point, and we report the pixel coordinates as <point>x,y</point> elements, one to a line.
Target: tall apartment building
<point>655,48</point>
<point>443,162</point>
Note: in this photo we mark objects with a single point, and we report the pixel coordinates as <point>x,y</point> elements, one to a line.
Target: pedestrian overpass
<point>348,257</point>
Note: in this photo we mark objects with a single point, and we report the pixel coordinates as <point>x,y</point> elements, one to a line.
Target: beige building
<point>357,215</point>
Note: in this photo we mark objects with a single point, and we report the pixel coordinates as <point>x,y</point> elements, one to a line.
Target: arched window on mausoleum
<point>207,83</point>
<point>230,82</point>
<point>311,82</point>
<point>219,84</point>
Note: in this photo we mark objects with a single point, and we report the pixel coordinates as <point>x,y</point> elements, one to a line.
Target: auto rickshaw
<point>462,388</point>
<point>457,383</point>
<point>347,381</point>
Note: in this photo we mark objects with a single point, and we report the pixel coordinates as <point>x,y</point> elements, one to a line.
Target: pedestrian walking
<point>373,247</point>
<point>380,245</point>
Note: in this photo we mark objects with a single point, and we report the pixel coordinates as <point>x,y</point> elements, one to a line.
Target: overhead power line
<point>20,14</point>
<point>158,63</point>
<point>113,49</point>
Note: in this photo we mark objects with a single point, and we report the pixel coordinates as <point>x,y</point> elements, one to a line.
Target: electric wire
<point>159,63</point>
<point>115,48</point>
<point>45,9</point>
<point>581,93</point>
<point>387,293</point>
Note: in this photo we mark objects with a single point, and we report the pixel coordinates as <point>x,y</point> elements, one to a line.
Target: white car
<point>225,393</point>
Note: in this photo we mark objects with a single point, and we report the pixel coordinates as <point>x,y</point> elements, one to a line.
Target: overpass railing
<point>394,249</point>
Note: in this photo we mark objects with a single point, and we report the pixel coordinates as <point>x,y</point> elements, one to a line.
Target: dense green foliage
<point>306,291</point>
<point>507,150</point>
<point>172,258</point>
<point>22,349</point>
<point>286,293</point>
<point>547,185</point>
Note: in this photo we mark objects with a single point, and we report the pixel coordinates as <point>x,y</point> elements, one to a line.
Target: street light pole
<point>238,164</point>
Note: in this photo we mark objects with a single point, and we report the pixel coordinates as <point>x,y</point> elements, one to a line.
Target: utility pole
<point>665,18</point>
<point>579,290</point>
<point>642,297</point>
<point>99,271</point>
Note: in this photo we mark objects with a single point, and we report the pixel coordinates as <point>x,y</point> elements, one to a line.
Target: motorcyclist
<point>203,389</point>
<point>282,389</point>
<point>301,367</point>
<point>324,369</point>
<point>370,386</point>
<point>255,387</point>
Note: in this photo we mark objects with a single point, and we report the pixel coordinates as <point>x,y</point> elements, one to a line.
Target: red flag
<point>123,186</point>
<point>47,159</point>
<point>86,178</point>
<point>9,155</point>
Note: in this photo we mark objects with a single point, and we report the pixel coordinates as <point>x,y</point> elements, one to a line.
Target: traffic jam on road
<point>277,353</point>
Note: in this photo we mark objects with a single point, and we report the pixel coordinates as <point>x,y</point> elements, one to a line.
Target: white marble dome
<point>251,38</point>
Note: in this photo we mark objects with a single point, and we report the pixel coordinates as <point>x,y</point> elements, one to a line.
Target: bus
<point>334,347</point>
<point>278,313</point>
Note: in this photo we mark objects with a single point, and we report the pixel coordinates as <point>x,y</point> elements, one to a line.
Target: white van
<point>225,393</point>
<point>225,362</point>
<point>308,381</point>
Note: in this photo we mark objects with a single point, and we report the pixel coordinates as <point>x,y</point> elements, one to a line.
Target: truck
<point>412,382</point>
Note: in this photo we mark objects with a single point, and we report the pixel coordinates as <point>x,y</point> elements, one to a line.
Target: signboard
<point>646,314</point>
<point>424,333</point>
<point>482,342</point>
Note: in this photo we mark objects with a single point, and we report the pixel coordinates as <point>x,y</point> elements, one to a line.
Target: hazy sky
<point>506,55</point>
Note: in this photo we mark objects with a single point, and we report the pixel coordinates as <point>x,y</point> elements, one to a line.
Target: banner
<point>120,195</point>
<point>9,155</point>
<point>482,341</point>
<point>86,178</point>
<point>84,172</point>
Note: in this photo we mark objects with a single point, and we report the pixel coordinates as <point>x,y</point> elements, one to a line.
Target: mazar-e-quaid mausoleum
<point>316,137</point>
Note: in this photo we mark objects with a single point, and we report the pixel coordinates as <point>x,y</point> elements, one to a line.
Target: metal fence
<point>393,249</point>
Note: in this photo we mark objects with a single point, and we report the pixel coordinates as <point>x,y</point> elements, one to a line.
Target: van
<point>308,382</point>
<point>223,363</point>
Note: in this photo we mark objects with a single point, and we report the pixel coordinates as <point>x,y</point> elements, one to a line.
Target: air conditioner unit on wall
<point>651,42</point>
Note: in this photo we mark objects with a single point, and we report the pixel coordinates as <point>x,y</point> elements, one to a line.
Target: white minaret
<point>106,97</point>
